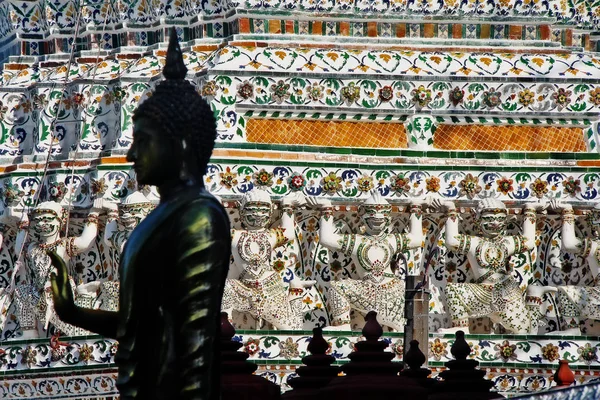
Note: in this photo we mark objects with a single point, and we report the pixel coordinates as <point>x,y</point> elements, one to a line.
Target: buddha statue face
<point>156,157</point>
<point>174,130</point>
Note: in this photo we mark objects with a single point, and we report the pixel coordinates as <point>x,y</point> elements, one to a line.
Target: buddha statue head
<point>134,209</point>
<point>256,209</point>
<point>174,129</point>
<point>46,221</point>
<point>492,217</point>
<point>375,213</point>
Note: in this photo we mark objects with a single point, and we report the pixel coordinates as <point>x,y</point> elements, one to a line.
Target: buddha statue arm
<point>201,256</point>
<point>81,243</point>
<point>97,321</point>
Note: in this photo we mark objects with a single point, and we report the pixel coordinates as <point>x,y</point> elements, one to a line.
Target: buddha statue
<point>377,288</point>
<point>174,263</point>
<point>253,286</point>
<point>495,292</point>
<point>32,293</point>
<point>579,302</point>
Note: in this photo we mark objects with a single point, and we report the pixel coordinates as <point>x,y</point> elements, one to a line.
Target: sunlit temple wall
<point>456,100</point>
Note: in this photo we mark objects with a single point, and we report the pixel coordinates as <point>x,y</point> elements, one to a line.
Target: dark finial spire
<point>318,344</point>
<point>414,357</point>
<point>174,66</point>
<point>372,331</point>
<point>460,349</point>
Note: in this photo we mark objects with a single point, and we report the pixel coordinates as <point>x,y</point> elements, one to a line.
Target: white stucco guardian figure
<point>495,293</point>
<point>580,302</point>
<point>253,286</point>
<point>377,288</point>
<point>32,294</point>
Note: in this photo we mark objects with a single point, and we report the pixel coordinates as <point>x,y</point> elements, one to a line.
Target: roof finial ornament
<point>174,65</point>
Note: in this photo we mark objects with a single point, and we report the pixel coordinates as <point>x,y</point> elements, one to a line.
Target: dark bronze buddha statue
<point>174,264</point>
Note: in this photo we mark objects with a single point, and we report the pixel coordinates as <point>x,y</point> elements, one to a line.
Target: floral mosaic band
<point>321,84</point>
<point>396,183</point>
<point>349,181</point>
<point>533,360</point>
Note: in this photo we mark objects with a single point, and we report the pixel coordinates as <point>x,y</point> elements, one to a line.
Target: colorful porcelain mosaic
<point>332,99</point>
<point>99,114</point>
<point>308,260</point>
<point>97,385</point>
<point>398,183</point>
<point>38,356</point>
<point>326,133</point>
<point>532,362</point>
<point>585,392</point>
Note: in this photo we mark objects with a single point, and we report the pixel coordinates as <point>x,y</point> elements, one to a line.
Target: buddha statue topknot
<point>174,263</point>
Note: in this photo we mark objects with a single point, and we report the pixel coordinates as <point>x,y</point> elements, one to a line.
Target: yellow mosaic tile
<point>327,133</point>
<point>509,138</point>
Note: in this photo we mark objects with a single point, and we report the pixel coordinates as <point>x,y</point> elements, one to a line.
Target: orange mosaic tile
<point>371,29</point>
<point>327,133</point>
<point>568,35</point>
<point>545,32</point>
<point>457,31</point>
<point>289,27</point>
<point>401,30</point>
<point>428,30</point>
<point>274,26</point>
<point>587,43</point>
<point>113,160</point>
<point>509,138</point>
<point>244,25</point>
<point>588,163</point>
<point>317,28</point>
<point>345,28</point>
<point>515,32</point>
<point>485,31</point>
<point>17,67</point>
